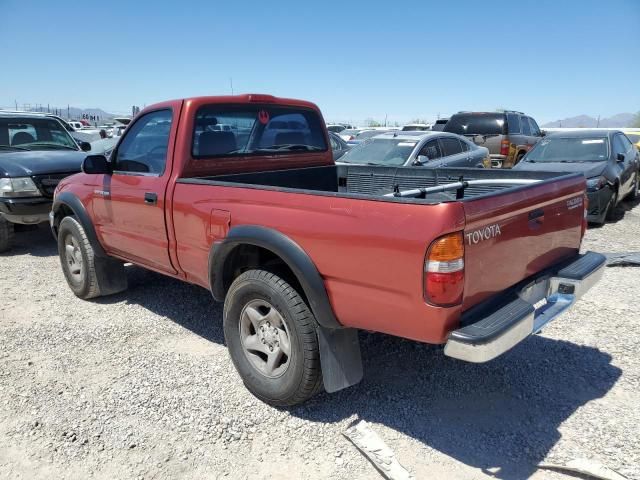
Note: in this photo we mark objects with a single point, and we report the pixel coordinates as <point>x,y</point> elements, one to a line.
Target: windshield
<point>569,150</point>
<point>381,151</point>
<point>34,134</point>
<point>479,124</point>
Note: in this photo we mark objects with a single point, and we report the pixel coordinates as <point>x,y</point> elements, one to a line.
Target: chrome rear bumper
<point>538,303</point>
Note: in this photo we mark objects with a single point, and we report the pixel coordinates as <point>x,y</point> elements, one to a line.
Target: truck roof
<point>244,98</point>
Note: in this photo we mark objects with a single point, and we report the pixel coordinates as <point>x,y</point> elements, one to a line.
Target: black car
<point>608,159</point>
<point>36,152</point>
<point>338,145</point>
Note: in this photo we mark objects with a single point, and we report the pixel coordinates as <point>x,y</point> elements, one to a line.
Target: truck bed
<point>357,181</point>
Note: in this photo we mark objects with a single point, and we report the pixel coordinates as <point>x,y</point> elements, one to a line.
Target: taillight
<point>444,270</point>
<point>504,148</point>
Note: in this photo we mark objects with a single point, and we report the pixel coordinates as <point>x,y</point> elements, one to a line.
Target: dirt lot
<point>140,385</point>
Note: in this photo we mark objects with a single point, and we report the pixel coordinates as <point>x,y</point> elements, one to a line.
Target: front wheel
<point>77,259</point>
<point>611,206</point>
<point>6,234</point>
<point>272,339</point>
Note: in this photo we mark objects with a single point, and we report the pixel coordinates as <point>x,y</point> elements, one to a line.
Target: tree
<point>372,123</point>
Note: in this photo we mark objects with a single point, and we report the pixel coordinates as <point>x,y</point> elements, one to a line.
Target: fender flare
<point>73,203</point>
<point>289,251</point>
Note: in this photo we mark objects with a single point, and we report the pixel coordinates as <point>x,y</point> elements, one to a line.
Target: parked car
<point>439,125</point>
<point>365,135</point>
<point>337,128</point>
<point>607,159</point>
<point>338,146</point>
<point>508,135</point>
<point>76,125</point>
<point>350,133</point>
<point>413,127</point>
<point>303,252</point>
<point>433,149</point>
<point>36,152</point>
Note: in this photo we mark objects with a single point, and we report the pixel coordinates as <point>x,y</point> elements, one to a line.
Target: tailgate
<point>512,235</point>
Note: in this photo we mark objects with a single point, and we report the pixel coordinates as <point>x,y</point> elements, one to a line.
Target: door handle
<point>150,198</point>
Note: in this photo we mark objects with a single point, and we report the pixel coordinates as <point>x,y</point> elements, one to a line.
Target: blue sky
<point>551,59</point>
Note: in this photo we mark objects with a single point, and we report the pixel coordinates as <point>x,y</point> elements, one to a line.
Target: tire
<point>6,234</point>
<point>636,187</point>
<point>519,157</point>
<point>263,311</point>
<point>610,212</point>
<point>77,259</point>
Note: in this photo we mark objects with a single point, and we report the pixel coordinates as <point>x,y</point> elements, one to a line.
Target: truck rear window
<point>224,130</point>
<point>474,123</point>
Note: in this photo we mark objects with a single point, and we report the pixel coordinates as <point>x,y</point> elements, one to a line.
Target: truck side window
<point>144,147</point>
<point>525,127</point>
<point>431,149</point>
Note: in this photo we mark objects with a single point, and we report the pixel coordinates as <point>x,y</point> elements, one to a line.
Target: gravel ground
<point>140,385</point>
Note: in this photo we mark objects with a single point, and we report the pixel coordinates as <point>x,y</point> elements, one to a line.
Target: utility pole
<point>16,102</point>
<point>598,124</point>
<point>231,83</point>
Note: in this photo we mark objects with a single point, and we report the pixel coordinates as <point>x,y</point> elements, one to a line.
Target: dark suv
<point>36,152</point>
<point>508,135</point>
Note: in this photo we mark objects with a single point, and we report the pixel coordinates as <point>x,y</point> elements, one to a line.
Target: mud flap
<point>340,358</point>
<point>111,275</point>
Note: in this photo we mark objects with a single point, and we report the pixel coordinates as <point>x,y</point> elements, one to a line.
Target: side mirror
<point>96,165</point>
<point>620,157</point>
<point>421,160</point>
<point>85,146</point>
<point>543,133</point>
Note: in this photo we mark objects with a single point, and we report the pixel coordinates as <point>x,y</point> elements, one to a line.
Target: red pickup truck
<point>240,195</point>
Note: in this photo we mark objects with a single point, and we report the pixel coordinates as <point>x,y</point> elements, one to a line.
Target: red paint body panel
<point>370,253</point>
<point>524,246</point>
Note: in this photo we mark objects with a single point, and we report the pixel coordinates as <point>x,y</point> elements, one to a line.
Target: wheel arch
<point>225,257</point>
<point>66,204</point>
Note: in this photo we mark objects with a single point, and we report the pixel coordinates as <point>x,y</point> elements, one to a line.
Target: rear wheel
<point>272,339</point>
<point>6,234</point>
<point>519,157</point>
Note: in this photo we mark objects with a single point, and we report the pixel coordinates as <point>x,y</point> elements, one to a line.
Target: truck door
<point>130,209</point>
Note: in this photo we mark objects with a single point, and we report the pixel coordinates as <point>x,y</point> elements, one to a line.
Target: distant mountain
<point>586,121</point>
